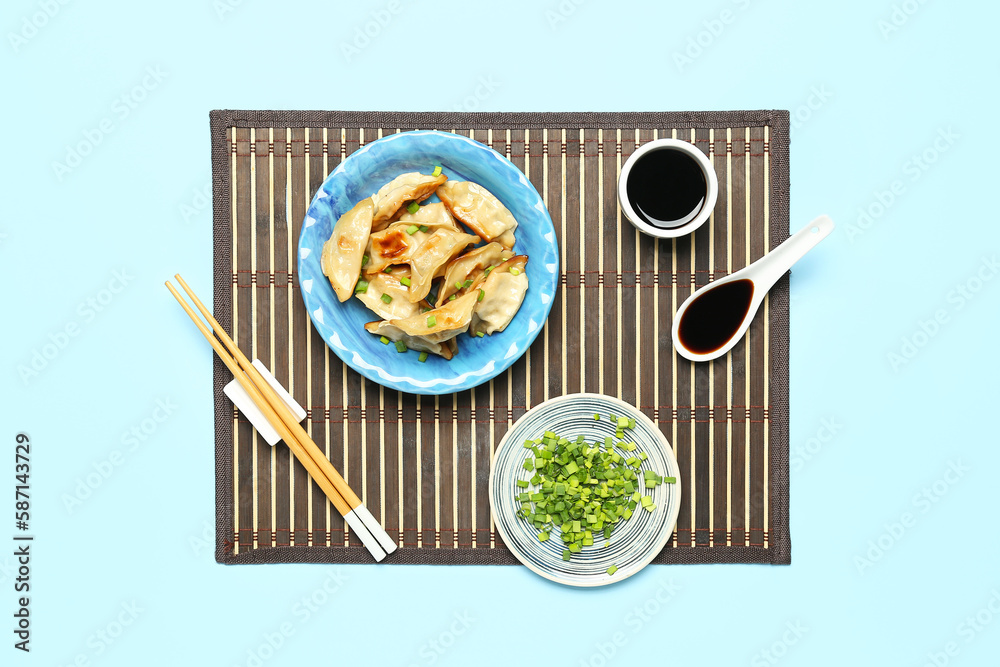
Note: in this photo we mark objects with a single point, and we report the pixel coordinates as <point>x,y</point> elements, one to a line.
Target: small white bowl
<point>711,182</point>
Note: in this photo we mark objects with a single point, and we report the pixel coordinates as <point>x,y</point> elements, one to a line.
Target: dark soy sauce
<point>715,316</point>
<point>666,188</point>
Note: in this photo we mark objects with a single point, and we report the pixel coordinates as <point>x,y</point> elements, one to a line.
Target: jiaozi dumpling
<point>445,349</point>
<point>413,186</point>
<point>439,248</point>
<point>440,324</point>
<point>394,245</point>
<point>342,254</point>
<point>503,291</point>
<point>389,284</point>
<point>432,216</point>
<point>466,269</point>
<point>477,208</point>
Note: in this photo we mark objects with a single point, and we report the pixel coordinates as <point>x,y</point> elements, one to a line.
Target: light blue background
<point>138,537</point>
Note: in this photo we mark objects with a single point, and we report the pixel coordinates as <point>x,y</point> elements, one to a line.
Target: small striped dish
<point>634,542</point>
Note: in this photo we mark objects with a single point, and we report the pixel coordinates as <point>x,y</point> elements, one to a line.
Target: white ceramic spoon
<point>763,274</point>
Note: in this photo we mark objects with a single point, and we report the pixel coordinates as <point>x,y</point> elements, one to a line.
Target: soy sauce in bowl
<point>666,188</point>
<point>715,316</point>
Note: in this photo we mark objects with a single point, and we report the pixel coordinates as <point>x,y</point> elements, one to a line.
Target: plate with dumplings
<point>428,262</point>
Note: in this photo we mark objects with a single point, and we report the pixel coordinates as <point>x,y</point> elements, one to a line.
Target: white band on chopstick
<point>246,405</point>
<point>354,521</point>
<point>375,528</point>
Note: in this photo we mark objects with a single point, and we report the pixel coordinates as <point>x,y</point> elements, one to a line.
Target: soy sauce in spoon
<point>714,317</point>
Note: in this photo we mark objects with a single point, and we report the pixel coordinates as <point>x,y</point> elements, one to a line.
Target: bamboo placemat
<point>421,464</point>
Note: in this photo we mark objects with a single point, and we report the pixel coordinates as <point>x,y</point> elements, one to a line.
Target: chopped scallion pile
<point>583,490</point>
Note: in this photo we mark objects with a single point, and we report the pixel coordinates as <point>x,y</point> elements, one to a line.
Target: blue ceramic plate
<point>342,324</point>
<point>634,542</point>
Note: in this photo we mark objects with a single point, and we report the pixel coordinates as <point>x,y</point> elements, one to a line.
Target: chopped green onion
<point>612,569</point>
<point>412,229</point>
<point>424,228</point>
<point>400,346</point>
<point>467,283</point>
<point>365,260</point>
<point>451,298</point>
<point>580,489</point>
<point>431,321</point>
<point>488,269</point>
<point>481,295</point>
<point>386,298</point>
<point>387,269</point>
<point>361,287</point>
<point>480,334</point>
<point>405,281</point>
<point>458,284</point>
<point>597,417</point>
<point>384,340</point>
<point>437,171</point>
<point>514,271</point>
<point>422,358</point>
<point>413,207</point>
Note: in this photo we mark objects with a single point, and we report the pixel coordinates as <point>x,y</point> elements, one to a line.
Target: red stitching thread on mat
<point>507,147</point>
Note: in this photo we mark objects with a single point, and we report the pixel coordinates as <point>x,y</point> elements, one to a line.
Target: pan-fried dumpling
<point>343,252</point>
<point>478,209</point>
<point>394,245</point>
<point>445,349</point>
<point>440,247</point>
<point>413,186</point>
<point>440,324</point>
<point>432,216</point>
<point>390,284</point>
<point>503,291</point>
<point>466,269</point>
<point>425,252</point>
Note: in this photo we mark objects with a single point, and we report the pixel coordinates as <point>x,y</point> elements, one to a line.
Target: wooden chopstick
<point>278,415</point>
<point>279,405</point>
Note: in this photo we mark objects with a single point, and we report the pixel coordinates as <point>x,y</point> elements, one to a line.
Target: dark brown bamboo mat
<point>421,464</point>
